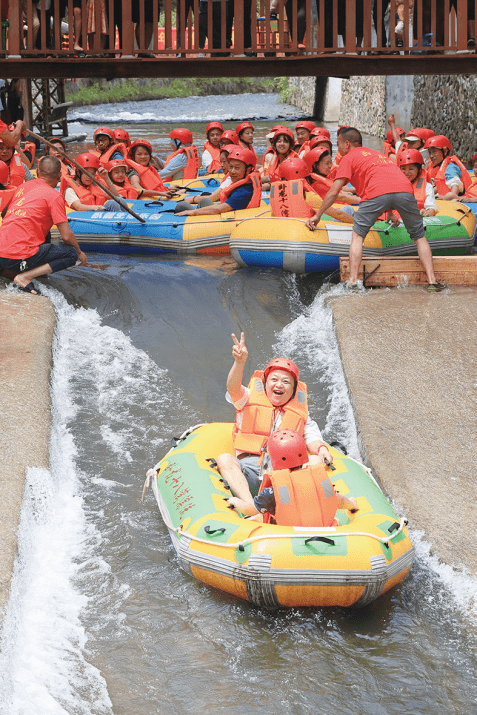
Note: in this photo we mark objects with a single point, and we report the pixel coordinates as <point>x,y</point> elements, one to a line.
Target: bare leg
<point>355,255</point>
<point>77,23</point>
<point>425,256</point>
<point>229,468</point>
<point>23,279</point>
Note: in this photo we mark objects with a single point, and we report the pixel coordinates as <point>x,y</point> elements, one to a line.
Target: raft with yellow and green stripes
<point>271,565</point>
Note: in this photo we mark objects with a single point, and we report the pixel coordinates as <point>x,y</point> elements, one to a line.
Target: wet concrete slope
<point>26,331</point>
<point>410,360</point>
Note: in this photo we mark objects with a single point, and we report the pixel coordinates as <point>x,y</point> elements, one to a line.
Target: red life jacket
<point>256,199</point>
<point>321,184</point>
<point>88,195</point>
<point>104,158</point>
<point>275,163</point>
<point>287,199</point>
<point>303,497</point>
<point>257,416</point>
<point>214,152</point>
<point>6,195</point>
<point>148,176</point>
<point>16,175</point>
<point>126,190</point>
<point>191,170</point>
<point>436,174</point>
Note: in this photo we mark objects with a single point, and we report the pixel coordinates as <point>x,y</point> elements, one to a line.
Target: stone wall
<point>363,104</point>
<point>448,105</point>
<point>302,93</point>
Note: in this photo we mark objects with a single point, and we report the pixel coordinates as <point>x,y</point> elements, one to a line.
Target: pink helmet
<point>88,160</point>
<point>439,141</point>
<point>243,154</point>
<point>104,130</point>
<point>243,125</point>
<point>136,144</point>
<point>293,168</point>
<point>182,134</point>
<point>287,449</point>
<point>4,173</point>
<point>313,156</point>
<point>114,164</point>
<point>229,136</point>
<point>122,136</point>
<point>409,156</point>
<point>305,125</point>
<point>281,363</point>
<point>213,125</point>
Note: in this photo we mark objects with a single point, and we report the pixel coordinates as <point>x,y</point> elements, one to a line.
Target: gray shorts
<point>404,202</point>
<point>251,471</point>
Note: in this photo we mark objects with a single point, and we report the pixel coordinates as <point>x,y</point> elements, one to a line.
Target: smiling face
<point>214,136</point>
<point>282,144</point>
<point>102,142</point>
<point>279,387</point>
<point>247,135</point>
<point>142,156</point>
<point>237,169</point>
<point>118,174</point>
<point>411,171</point>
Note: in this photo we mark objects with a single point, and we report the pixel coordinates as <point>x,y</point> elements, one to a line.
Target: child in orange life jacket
<point>79,191</point>
<point>245,189</point>
<point>282,144</point>
<point>245,132</point>
<point>448,174</point>
<point>269,153</point>
<point>394,135</point>
<point>411,163</point>
<point>18,172</point>
<point>320,166</point>
<point>183,163</point>
<point>298,490</point>
<point>116,169</point>
<point>228,136</point>
<point>211,152</point>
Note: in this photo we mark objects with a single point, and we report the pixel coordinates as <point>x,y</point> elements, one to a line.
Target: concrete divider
<point>410,360</point>
<point>26,328</point>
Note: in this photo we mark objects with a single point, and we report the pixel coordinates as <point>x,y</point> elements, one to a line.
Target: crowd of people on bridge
<point>356,185</point>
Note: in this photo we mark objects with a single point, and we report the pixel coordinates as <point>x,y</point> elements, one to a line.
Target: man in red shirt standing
<point>381,186</point>
<point>33,210</point>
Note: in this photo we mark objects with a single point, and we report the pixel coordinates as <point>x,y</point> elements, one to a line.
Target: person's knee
<point>226,461</point>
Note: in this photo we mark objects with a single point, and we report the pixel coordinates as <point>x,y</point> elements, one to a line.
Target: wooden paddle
<point>104,188</point>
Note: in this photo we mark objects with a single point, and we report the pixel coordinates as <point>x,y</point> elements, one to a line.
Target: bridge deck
<point>309,37</point>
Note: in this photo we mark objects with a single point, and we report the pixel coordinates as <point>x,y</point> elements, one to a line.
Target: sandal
<point>436,287</point>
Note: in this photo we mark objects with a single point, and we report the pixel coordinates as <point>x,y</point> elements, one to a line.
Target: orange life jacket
<point>257,416</point>
<point>270,150</point>
<point>16,171</point>
<point>304,149</point>
<point>104,158</point>
<point>214,152</point>
<point>287,199</point>
<point>419,188</point>
<point>338,158</point>
<point>126,190</point>
<point>191,170</point>
<point>275,163</point>
<point>88,195</point>
<point>321,184</point>
<point>303,497</point>
<point>436,174</point>
<point>388,150</point>
<point>248,146</point>
<point>6,195</point>
<point>148,176</point>
<point>256,180</point>
<point>31,147</point>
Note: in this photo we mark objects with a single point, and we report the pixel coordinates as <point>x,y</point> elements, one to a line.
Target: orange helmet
<point>409,156</point>
<point>313,156</point>
<point>287,449</point>
<point>309,126</point>
<point>139,142</point>
<point>104,130</point>
<point>213,125</point>
<point>293,168</point>
<point>243,154</point>
<point>439,141</point>
<point>88,160</point>
<point>229,136</point>
<point>182,134</point>
<point>122,136</point>
<point>4,173</point>
<point>114,164</point>
<point>243,125</point>
<point>281,363</point>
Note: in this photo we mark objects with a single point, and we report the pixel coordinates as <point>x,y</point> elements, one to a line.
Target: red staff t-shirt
<point>34,209</point>
<point>372,174</point>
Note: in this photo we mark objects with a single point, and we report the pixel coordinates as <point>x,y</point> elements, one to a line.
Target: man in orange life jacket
<point>381,187</point>
<point>274,399</point>
<point>244,191</point>
<point>298,490</point>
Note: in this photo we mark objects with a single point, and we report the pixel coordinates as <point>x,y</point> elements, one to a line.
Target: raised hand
<point>239,350</point>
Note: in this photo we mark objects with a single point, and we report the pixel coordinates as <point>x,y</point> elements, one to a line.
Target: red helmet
<point>228,148</point>
<point>287,449</point>
<point>420,133</point>
<point>313,156</point>
<point>182,134</point>
<point>122,136</point>
<point>114,164</point>
<point>305,125</point>
<point>139,142</point>
<point>321,130</point>
<point>293,168</point>
<point>281,364</point>
<point>409,156</point>
<point>318,138</point>
<point>439,141</point>
<point>277,127</point>
<point>243,125</point>
<point>213,125</point>
<point>229,136</point>
<point>4,173</point>
<point>389,135</point>
<point>284,131</point>
<point>104,130</point>
<point>88,160</point>
<point>242,154</point>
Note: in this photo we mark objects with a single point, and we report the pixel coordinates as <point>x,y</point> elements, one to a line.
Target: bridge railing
<point>120,29</point>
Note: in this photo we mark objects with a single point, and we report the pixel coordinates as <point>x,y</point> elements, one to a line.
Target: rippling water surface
<point>101,619</point>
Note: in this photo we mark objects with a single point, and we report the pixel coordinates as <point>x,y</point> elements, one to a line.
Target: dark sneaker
<point>436,287</point>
